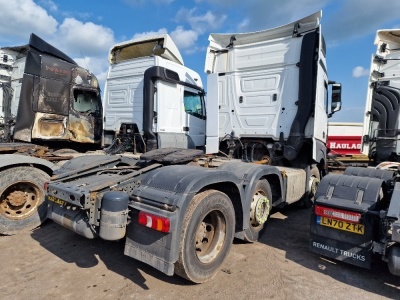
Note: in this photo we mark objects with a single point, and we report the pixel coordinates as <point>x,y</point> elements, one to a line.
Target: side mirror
<point>336,103</point>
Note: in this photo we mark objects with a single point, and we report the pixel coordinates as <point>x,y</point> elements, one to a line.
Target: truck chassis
<point>179,210</point>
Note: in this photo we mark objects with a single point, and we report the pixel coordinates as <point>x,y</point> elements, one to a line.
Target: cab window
<point>193,104</point>
<point>86,101</point>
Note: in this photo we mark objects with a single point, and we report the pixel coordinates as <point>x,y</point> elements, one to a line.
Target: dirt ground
<point>54,263</point>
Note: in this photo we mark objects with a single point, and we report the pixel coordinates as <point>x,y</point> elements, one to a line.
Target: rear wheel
<point>22,199</point>
<point>260,208</point>
<point>208,230</point>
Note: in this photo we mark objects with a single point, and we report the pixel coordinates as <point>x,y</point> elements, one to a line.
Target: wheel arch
<point>8,161</point>
<point>322,167</point>
<point>275,183</point>
<point>234,194</point>
<point>251,173</point>
<point>176,186</point>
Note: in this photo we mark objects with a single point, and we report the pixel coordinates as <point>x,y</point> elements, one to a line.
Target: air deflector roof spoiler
<point>160,45</point>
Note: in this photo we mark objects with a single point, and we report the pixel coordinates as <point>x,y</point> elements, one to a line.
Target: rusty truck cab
<point>54,98</point>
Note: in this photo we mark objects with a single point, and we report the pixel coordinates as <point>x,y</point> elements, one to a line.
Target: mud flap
<point>342,251</point>
<point>344,223</point>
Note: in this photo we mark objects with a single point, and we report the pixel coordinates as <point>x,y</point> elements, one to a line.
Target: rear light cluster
<point>338,214</point>
<point>155,222</point>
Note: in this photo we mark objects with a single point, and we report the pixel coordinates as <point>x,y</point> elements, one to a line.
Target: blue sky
<point>85,30</point>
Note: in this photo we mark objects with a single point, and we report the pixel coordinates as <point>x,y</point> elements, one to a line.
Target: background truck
<point>47,103</point>
<point>179,209</point>
<point>344,144</point>
<point>357,214</point>
<point>151,100</point>
<point>344,138</point>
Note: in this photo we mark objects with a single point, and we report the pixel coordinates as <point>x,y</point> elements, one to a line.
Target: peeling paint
<point>49,126</point>
<point>80,130</point>
<point>23,135</point>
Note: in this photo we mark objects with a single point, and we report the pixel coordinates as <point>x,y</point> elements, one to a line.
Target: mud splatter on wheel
<point>207,236</point>
<point>260,207</point>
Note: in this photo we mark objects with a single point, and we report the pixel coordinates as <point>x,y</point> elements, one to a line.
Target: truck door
<point>194,106</point>
<point>85,118</point>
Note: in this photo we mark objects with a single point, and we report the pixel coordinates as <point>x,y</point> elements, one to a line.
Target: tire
<point>207,236</point>
<point>23,206</point>
<point>315,178</point>
<point>260,208</point>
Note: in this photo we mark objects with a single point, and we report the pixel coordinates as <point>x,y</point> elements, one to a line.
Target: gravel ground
<point>54,263</point>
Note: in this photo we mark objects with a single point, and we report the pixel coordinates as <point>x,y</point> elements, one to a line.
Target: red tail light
<point>338,214</point>
<point>155,222</point>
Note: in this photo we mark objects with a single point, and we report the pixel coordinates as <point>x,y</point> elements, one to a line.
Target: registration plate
<point>56,200</point>
<point>341,225</point>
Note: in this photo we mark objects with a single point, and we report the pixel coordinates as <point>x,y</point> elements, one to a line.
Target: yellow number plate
<point>56,200</point>
<point>341,225</point>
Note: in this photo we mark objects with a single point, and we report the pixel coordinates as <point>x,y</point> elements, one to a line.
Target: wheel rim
<point>210,236</point>
<point>20,200</point>
<point>259,209</point>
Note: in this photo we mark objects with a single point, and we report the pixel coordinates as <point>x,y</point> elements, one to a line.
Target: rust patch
<point>49,126</point>
<point>32,150</point>
<point>80,130</point>
<point>20,147</point>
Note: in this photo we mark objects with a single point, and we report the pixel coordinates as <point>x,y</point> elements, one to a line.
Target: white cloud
<point>88,38</point>
<point>349,20</point>
<point>71,36</point>
<point>200,23</point>
<point>19,18</point>
<point>184,39</point>
<point>360,72</point>
<point>262,14</point>
<point>81,15</point>
<point>147,33</point>
<point>49,4</point>
<point>243,25</point>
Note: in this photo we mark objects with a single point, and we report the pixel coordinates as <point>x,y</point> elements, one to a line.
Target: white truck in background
<point>344,138</point>
<point>356,215</point>
<point>344,144</point>
<point>151,67</point>
<point>263,129</point>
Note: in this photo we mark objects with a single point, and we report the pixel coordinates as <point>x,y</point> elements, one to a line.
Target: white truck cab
<point>166,105</point>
